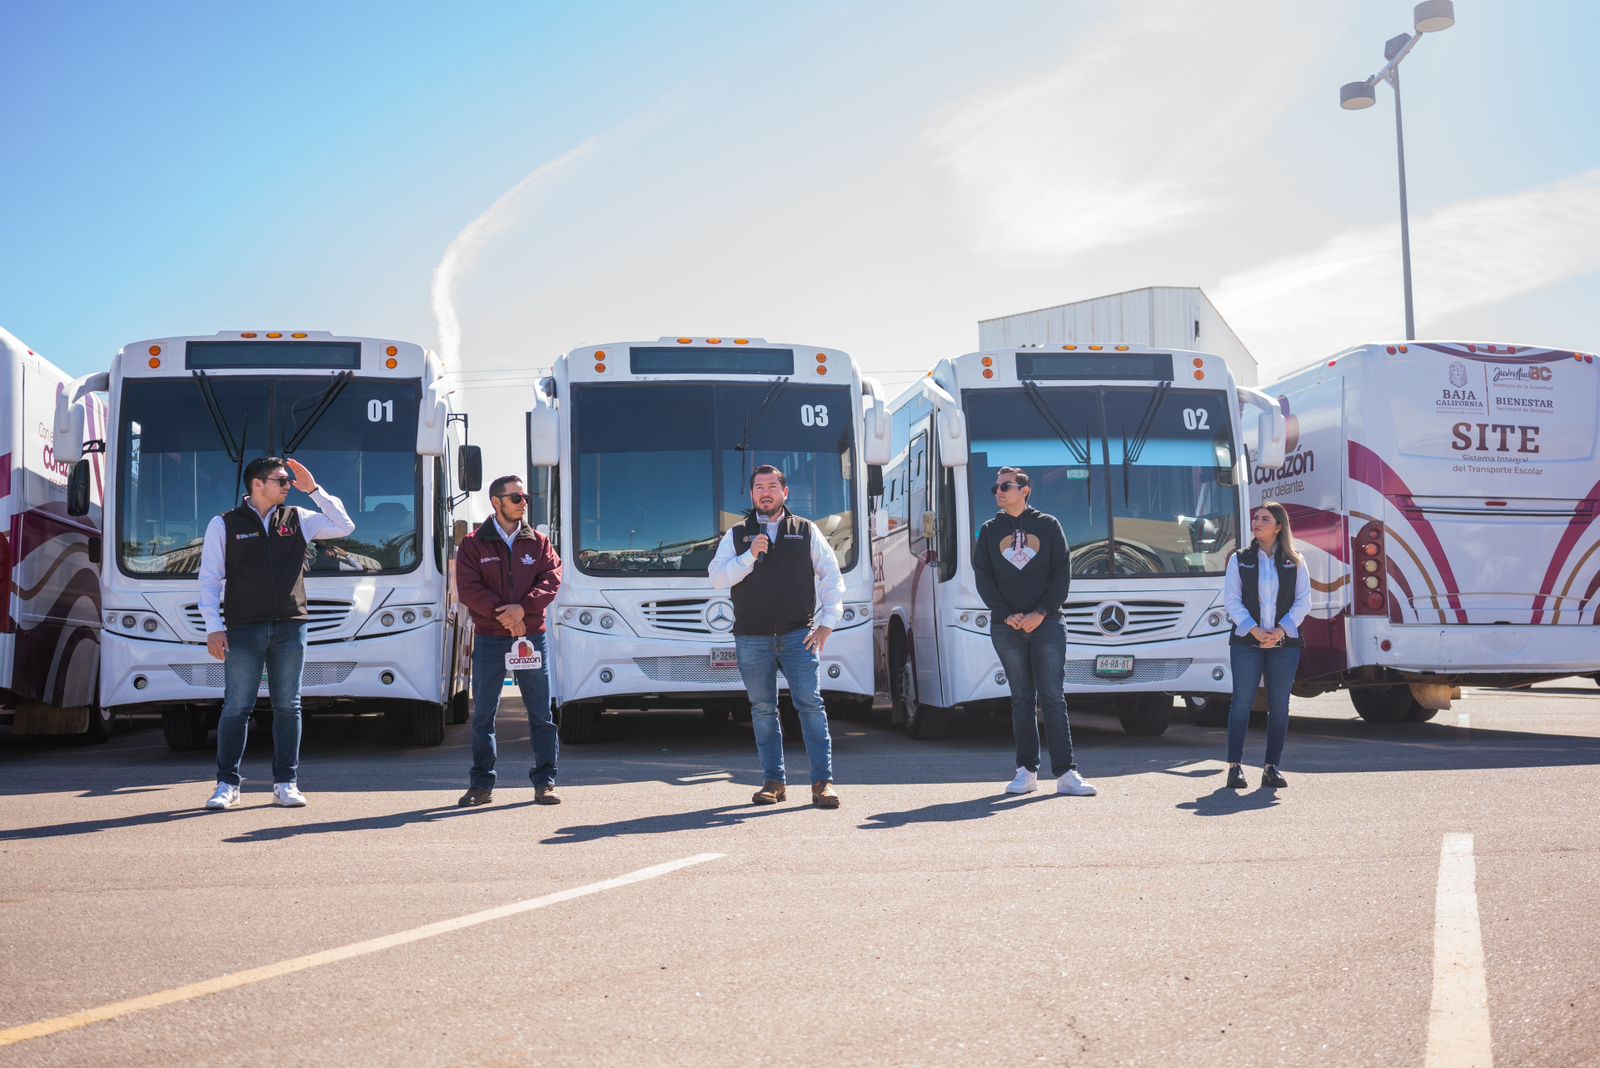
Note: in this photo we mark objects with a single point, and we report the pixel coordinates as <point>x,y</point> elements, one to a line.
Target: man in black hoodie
<point>1022,567</point>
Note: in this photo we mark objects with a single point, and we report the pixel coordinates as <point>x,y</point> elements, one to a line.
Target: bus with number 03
<point>642,455</point>
<point>1138,453</point>
<point>371,419</point>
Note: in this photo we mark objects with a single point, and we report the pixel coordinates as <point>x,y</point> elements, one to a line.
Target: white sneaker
<point>227,796</point>
<point>1072,783</point>
<point>288,795</point>
<point>1026,782</point>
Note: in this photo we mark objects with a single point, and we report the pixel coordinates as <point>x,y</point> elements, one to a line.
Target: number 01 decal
<point>1196,419</point>
<point>380,411</point>
<point>813,415</point>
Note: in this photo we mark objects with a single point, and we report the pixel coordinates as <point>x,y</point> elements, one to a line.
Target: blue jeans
<point>488,679</point>
<point>279,647</point>
<point>1036,666</point>
<point>1249,664</point>
<point>760,656</point>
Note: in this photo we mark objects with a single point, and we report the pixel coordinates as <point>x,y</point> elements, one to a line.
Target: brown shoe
<point>822,795</point>
<point>475,795</point>
<point>545,795</point>
<point>769,794</point>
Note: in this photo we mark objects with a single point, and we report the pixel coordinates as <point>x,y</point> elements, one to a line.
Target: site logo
<point>1458,396</point>
<point>1536,378</point>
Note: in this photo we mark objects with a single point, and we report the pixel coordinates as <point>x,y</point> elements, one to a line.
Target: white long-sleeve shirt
<point>728,569</point>
<point>331,522</point>
<point>1267,595</point>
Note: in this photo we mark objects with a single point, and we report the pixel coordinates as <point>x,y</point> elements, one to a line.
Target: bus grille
<point>1145,619</point>
<point>213,676</point>
<point>688,669</point>
<point>681,615</point>
<point>325,616</point>
<point>1081,672</point>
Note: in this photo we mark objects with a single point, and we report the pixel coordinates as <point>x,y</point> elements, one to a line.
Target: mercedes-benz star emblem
<point>719,615</point>
<point>1113,617</point>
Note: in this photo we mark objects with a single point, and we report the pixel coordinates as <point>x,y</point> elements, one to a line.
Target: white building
<point>1179,317</point>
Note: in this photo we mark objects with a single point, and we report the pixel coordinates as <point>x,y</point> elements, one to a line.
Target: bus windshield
<point>1144,485</point>
<point>662,470</point>
<point>175,474</point>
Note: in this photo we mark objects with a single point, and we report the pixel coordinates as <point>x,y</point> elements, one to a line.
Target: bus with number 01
<point>1138,453</point>
<point>641,455</point>
<point>371,419</point>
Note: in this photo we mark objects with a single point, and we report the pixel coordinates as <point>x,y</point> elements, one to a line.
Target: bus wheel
<point>716,715</point>
<point>100,726</point>
<point>427,723</point>
<point>923,722</point>
<point>1145,715</point>
<point>852,709</point>
<point>580,722</point>
<point>1208,709</point>
<point>460,706</point>
<point>1384,704</point>
<point>185,727</point>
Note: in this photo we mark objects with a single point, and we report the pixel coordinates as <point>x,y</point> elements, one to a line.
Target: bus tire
<point>852,709</point>
<point>922,722</point>
<point>1384,704</point>
<point>460,707</point>
<point>101,724</point>
<point>716,715</point>
<point>1420,713</point>
<point>185,728</point>
<point>426,723</point>
<point>1208,709</point>
<point>1145,715</point>
<point>580,722</point>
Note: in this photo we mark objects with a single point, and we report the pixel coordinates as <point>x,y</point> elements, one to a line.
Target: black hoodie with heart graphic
<point>1022,564</point>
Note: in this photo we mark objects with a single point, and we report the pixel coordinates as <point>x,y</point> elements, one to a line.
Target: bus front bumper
<point>1184,666</point>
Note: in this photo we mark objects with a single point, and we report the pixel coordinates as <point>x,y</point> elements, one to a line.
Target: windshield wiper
<point>744,440</point>
<point>1078,450</point>
<point>336,387</point>
<point>235,451</point>
<point>1132,450</point>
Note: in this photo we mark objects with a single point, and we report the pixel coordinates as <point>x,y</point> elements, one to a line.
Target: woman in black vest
<point>1268,592</point>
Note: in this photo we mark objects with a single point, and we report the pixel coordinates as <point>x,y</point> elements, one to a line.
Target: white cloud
<point>1465,255</point>
<point>1132,135</point>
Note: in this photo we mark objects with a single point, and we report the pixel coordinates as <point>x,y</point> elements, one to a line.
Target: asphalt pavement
<point>657,917</point>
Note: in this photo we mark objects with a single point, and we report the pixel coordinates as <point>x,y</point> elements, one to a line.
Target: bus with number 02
<point>371,419</point>
<point>642,455</point>
<point>1138,453</point>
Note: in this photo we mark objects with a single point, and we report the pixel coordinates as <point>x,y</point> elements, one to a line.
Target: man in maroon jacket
<point>507,573</point>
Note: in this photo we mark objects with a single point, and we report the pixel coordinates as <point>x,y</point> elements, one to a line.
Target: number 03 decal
<point>813,415</point>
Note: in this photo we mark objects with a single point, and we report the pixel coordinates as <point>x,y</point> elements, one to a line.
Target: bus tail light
<point>1367,564</point>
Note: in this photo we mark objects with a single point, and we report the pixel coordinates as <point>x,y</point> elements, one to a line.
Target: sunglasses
<point>514,498</point>
<point>282,480</point>
<point>1006,487</point>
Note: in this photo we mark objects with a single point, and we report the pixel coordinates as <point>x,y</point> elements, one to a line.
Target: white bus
<point>372,421</point>
<point>49,560</point>
<point>1447,498</point>
<point>1137,452</point>
<point>649,448</point>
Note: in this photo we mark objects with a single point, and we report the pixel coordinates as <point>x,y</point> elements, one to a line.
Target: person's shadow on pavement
<point>953,811</point>
<point>1225,802</point>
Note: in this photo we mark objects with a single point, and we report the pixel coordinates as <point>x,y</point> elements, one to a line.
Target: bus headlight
<point>594,620</point>
<point>1214,620</point>
<point>387,619</point>
<point>607,622</point>
<point>585,618</point>
<point>395,619</point>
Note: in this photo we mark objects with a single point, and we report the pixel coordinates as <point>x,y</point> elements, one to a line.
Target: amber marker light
<point>685,340</point>
<point>988,373</point>
<point>1069,348</point>
<point>599,368</point>
<point>274,335</point>
<point>822,369</point>
<point>1122,348</point>
<point>155,350</point>
<point>391,363</point>
<point>248,333</point>
<point>1199,376</point>
<point>988,361</point>
<point>301,336</point>
<point>822,357</point>
<point>392,351</point>
<point>741,341</point>
<point>155,361</point>
<point>1198,362</point>
<point>713,341</point>
<point>599,355</point>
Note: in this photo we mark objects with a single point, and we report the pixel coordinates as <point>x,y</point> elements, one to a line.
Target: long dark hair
<point>1284,550</point>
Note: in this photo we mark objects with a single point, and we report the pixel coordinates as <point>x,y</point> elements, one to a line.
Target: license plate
<point>1113,667</point>
<point>724,658</point>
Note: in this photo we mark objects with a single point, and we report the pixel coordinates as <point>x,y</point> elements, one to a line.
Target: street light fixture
<point>1430,16</point>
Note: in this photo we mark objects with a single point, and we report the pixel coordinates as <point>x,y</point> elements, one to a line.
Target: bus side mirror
<point>67,434</point>
<point>1272,432</point>
<point>953,438</point>
<point>469,468</point>
<point>880,523</point>
<point>876,448</point>
<point>544,436</point>
<point>78,489</point>
<point>431,421</point>
<point>874,480</point>
<point>95,549</point>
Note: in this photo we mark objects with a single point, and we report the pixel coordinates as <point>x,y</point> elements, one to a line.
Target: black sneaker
<point>1270,777</point>
<point>1236,779</point>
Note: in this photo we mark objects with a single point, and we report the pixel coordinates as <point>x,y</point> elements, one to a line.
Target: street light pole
<point>1430,16</point>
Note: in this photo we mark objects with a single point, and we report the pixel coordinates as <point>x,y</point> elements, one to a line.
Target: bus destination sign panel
<point>1094,366</point>
<point>289,355</point>
<point>688,361</point>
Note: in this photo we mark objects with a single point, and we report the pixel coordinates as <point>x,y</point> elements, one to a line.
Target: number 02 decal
<point>813,415</point>
<point>1196,419</point>
<point>380,411</point>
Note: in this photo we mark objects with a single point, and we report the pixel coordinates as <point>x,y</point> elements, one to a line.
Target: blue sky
<point>875,177</point>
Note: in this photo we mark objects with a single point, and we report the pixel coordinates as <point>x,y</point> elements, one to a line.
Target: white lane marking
<point>1463,719</point>
<point>72,1021</point>
<point>1458,1019</point>
<point>710,776</point>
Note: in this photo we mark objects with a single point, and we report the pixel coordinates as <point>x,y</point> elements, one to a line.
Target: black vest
<point>1250,592</point>
<point>780,593</point>
<point>265,576</point>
